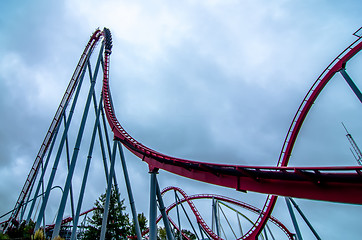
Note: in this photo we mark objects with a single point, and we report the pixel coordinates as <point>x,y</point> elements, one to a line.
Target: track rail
<point>69,219</point>
<point>244,205</point>
<point>188,199</point>
<point>336,184</point>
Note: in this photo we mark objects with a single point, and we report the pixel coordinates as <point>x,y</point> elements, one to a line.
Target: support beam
<point>166,222</point>
<point>351,84</point>
<point>153,206</point>
<point>108,194</point>
<point>294,220</point>
<point>68,164</point>
<point>189,220</point>
<point>215,216</point>
<point>73,162</point>
<point>85,175</point>
<point>177,201</point>
<point>305,218</point>
<point>130,194</point>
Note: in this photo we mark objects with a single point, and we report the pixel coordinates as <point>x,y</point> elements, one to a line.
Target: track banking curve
<point>336,184</point>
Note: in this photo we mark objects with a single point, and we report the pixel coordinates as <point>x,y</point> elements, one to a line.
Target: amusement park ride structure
<point>336,184</point>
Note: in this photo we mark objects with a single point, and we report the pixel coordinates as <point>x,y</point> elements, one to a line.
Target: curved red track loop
<point>55,122</point>
<point>335,66</point>
<point>244,205</point>
<point>189,200</point>
<point>344,183</point>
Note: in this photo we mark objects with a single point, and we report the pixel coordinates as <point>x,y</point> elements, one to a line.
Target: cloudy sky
<point>215,81</point>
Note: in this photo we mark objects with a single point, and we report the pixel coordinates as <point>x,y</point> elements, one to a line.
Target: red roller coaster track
<point>249,207</point>
<point>200,220</point>
<point>336,184</point>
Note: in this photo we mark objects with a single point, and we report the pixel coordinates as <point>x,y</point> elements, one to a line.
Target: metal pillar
<point>201,231</point>
<point>265,234</point>
<point>294,220</point>
<point>351,84</point>
<point>153,206</point>
<point>223,213</point>
<point>68,164</point>
<point>107,143</point>
<point>41,182</point>
<point>104,155</point>
<point>305,218</point>
<point>215,215</point>
<point>85,175</point>
<point>76,150</point>
<point>59,153</point>
<point>271,234</point>
<point>108,194</point>
<point>189,220</point>
<point>166,222</point>
<point>130,194</point>
<point>177,201</point>
<point>240,228</point>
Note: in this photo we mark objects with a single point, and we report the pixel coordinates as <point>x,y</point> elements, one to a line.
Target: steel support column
<point>215,216</point>
<point>177,201</point>
<point>294,220</point>
<point>129,191</point>
<point>351,84</point>
<point>153,206</point>
<point>68,164</point>
<point>109,191</point>
<point>85,175</point>
<point>305,218</point>
<point>73,162</point>
<point>166,222</point>
<point>189,220</point>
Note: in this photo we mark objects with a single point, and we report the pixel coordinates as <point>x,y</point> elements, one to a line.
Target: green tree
<point>188,233</point>
<point>161,233</point>
<point>142,220</point>
<point>118,224</point>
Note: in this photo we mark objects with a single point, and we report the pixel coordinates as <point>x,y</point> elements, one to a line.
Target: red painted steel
<point>69,219</point>
<point>189,200</point>
<point>249,207</point>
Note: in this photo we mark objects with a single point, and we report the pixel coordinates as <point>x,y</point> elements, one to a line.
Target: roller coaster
<point>335,184</point>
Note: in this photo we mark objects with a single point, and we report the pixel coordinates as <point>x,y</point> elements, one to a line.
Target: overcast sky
<point>215,81</point>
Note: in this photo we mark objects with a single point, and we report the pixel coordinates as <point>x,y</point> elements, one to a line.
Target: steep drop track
<point>336,184</point>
